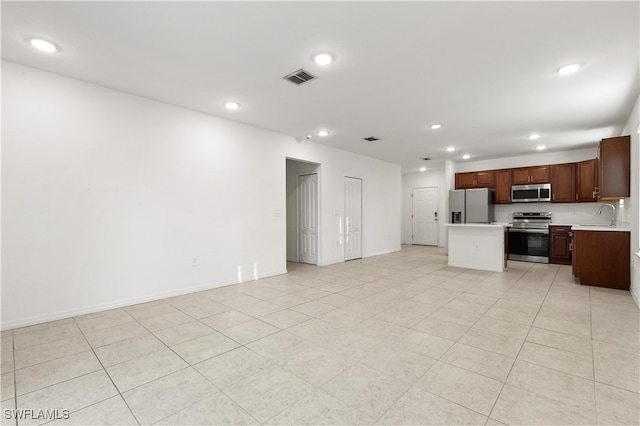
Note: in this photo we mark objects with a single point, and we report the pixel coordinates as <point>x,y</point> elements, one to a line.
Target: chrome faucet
<point>613,213</point>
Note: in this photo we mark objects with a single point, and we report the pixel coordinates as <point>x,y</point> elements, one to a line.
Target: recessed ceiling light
<point>569,69</point>
<point>323,59</point>
<point>466,156</point>
<point>43,45</point>
<point>435,126</point>
<point>232,105</point>
<point>323,133</point>
<point>451,148</point>
<point>541,147</point>
<point>534,136</point>
<point>423,169</point>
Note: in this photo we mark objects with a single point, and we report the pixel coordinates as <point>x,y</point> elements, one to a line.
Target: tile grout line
<point>437,360</point>
<point>377,292</point>
<point>425,373</point>
<point>458,341</point>
<point>109,376</point>
<point>321,387</point>
<point>315,387</point>
<point>220,390</point>
<point>523,342</point>
<point>192,366</point>
<point>593,359</point>
<point>15,375</point>
<point>189,365</point>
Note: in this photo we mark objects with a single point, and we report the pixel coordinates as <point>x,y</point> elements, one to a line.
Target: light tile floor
<point>393,339</point>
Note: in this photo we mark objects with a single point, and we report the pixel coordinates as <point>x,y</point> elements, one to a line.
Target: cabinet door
<point>503,186</point>
<point>520,176</point>
<point>614,168</point>
<point>559,245</point>
<point>601,258</point>
<point>539,174</point>
<point>484,179</point>
<point>586,181</point>
<point>465,180</point>
<point>563,183</point>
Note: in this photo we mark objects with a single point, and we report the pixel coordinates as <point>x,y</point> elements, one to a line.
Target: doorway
<point>424,216</point>
<point>352,218</point>
<point>303,237</point>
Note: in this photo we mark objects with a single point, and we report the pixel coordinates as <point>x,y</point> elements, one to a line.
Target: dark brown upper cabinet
<point>563,183</point>
<point>614,168</point>
<point>474,180</point>
<point>527,175</point>
<point>586,181</point>
<point>502,180</point>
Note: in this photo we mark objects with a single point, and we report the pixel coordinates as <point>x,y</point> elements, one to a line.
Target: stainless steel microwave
<point>531,193</point>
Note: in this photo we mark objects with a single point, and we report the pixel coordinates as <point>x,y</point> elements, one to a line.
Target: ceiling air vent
<point>371,139</point>
<point>299,77</point>
<point>426,158</point>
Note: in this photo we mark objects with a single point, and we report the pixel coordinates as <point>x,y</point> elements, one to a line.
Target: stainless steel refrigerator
<point>471,205</point>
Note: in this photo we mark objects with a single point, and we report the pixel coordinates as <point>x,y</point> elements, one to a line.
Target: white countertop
<point>600,228</point>
<point>573,226</point>
<point>478,225</point>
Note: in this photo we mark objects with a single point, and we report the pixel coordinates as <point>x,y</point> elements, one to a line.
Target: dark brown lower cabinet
<point>601,258</point>
<point>559,245</point>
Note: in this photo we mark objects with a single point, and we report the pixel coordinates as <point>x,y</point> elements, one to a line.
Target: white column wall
<point>632,205</point>
<point>107,198</point>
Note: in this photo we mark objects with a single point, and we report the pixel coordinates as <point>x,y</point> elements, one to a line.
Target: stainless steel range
<point>529,237</point>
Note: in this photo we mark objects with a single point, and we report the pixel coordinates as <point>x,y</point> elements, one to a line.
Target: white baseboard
<point>635,298</point>
<point>38,319</point>
<point>379,253</point>
<point>364,256</point>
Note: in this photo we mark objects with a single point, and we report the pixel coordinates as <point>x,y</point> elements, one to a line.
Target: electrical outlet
<point>195,261</point>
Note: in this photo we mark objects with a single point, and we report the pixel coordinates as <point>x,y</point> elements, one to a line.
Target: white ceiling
<point>484,70</point>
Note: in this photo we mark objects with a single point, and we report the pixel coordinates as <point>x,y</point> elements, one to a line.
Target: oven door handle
<point>530,231</point>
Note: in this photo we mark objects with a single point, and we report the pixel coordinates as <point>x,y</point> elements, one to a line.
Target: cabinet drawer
<point>560,229</point>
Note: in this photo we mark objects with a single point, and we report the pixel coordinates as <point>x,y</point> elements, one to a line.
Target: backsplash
<point>570,213</point>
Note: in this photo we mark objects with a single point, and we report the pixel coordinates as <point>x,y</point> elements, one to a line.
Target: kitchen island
<point>477,246</point>
<point>601,255</point>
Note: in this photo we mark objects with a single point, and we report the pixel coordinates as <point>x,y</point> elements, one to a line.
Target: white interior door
<point>308,218</point>
<point>425,216</point>
<point>353,218</point>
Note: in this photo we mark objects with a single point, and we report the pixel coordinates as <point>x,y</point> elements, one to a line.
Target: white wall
<point>561,213</point>
<point>632,205</point>
<point>431,178</point>
<point>381,183</point>
<point>108,197</point>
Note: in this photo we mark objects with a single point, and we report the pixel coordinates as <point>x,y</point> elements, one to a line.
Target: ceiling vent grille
<point>371,139</point>
<point>299,77</point>
<point>426,158</point>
